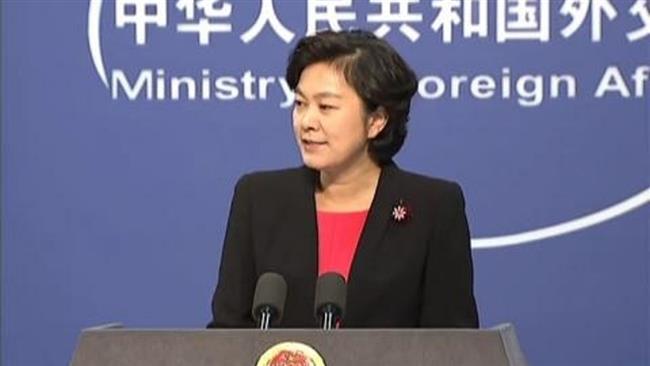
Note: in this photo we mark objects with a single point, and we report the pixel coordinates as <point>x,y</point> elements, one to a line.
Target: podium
<point>116,346</point>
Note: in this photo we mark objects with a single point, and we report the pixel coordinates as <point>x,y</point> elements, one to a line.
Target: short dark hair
<point>373,68</point>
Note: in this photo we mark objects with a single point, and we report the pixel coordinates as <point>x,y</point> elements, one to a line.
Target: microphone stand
<point>328,317</point>
<point>265,319</point>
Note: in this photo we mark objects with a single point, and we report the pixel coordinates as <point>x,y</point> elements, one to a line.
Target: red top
<point>338,237</point>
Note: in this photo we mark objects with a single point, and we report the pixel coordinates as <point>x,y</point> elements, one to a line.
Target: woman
<point>401,240</point>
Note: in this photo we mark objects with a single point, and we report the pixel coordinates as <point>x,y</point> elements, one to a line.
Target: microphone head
<point>270,293</point>
<point>331,295</point>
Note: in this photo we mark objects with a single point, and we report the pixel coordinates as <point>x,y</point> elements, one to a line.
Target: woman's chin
<point>313,162</point>
<point>310,163</point>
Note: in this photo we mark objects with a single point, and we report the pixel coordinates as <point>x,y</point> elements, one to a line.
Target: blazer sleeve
<point>231,302</point>
<point>448,299</point>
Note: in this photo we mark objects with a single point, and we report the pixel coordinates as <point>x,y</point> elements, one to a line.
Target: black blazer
<point>414,273</point>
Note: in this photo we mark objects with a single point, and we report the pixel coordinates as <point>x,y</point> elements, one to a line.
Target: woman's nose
<point>309,118</point>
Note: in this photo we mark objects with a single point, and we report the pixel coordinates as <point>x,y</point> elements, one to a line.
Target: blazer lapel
<point>386,196</point>
<point>306,234</point>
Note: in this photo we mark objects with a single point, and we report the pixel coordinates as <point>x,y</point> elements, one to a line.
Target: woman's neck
<point>349,190</point>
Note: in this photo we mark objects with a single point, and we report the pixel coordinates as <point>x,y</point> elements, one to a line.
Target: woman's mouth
<point>312,144</point>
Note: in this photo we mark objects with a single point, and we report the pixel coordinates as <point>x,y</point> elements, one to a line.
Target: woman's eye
<point>326,107</point>
<point>298,103</point>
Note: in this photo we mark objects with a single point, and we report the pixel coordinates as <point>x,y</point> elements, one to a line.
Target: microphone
<point>269,298</point>
<point>329,304</point>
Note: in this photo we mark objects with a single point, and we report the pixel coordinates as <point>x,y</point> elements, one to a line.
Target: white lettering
<point>439,87</point>
<point>289,95</point>
<point>530,97</point>
<point>226,88</point>
<point>569,82</point>
<point>144,80</point>
<point>640,77</point>
<point>190,86</point>
<point>612,81</point>
<point>482,86</point>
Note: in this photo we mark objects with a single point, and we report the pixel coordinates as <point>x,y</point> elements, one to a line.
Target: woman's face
<point>331,126</point>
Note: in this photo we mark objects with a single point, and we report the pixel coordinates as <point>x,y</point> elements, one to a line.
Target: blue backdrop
<point>123,135</point>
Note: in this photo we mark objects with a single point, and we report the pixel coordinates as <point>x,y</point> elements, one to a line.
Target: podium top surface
<point>101,346</point>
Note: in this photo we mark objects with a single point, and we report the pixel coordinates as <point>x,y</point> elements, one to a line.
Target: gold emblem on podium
<point>290,354</point>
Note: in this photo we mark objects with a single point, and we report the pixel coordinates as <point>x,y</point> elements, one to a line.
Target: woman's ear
<point>377,120</point>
